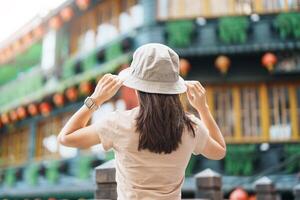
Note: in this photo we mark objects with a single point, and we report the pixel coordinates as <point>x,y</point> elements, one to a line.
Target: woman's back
<point>144,174</point>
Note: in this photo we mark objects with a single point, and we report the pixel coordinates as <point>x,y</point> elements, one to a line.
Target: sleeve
<point>201,135</point>
<point>106,130</point>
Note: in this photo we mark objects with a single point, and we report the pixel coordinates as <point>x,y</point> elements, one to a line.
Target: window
<point>279,104</point>
<point>14,146</point>
<point>46,138</point>
<point>215,8</point>
<point>250,112</point>
<point>103,23</point>
<point>223,110</point>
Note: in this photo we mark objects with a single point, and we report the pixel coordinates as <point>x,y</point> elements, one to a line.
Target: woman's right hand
<point>196,95</point>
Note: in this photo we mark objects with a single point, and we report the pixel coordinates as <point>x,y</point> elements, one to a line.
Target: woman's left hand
<point>106,88</point>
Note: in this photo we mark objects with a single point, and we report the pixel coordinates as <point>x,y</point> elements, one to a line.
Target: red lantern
<point>222,63</point>
<point>67,14</point>
<point>27,39</point>
<point>45,108</point>
<point>21,111</point>
<point>238,194</point>
<point>269,60</point>
<point>55,23</point>
<point>5,118</point>
<point>59,99</point>
<point>83,4</point>
<point>13,115</point>
<point>184,66</point>
<point>72,94</point>
<point>86,88</point>
<point>38,32</point>
<point>32,109</point>
<point>17,45</point>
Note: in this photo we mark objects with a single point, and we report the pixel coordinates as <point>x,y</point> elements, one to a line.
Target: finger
<point>110,83</point>
<point>199,88</point>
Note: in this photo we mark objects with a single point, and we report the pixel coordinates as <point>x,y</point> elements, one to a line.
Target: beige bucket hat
<point>154,69</point>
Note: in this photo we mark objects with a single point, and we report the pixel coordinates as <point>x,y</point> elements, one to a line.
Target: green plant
<point>191,166</point>
<point>32,174</point>
<point>180,33</point>
<point>233,29</point>
<point>10,177</point>
<point>239,159</point>
<point>84,167</point>
<point>90,61</point>
<point>52,173</point>
<point>292,151</point>
<point>113,51</point>
<point>288,25</point>
<point>68,68</point>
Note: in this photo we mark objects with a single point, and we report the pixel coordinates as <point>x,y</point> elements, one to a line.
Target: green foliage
<point>180,33</point>
<point>30,81</point>
<point>292,151</point>
<point>113,51</point>
<point>21,63</point>
<point>7,73</point>
<point>233,29</point>
<point>30,57</point>
<point>31,174</point>
<point>52,173</point>
<point>288,25</point>
<point>191,166</point>
<point>90,61</point>
<point>84,167</point>
<point>239,159</point>
<point>10,177</point>
<point>68,68</point>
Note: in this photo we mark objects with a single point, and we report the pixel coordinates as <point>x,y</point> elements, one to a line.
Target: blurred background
<point>245,52</point>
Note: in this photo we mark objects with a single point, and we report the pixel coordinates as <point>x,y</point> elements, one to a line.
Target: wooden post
<point>265,189</point>
<point>296,191</point>
<point>105,180</point>
<point>208,185</point>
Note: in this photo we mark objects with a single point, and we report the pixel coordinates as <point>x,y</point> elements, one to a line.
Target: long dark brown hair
<point>160,122</point>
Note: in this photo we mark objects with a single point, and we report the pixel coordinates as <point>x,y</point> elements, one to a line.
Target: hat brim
<point>130,81</point>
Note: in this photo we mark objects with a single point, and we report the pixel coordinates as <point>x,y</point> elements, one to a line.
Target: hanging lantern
<point>17,46</point>
<point>27,39</point>
<point>38,32</point>
<point>32,109</point>
<point>222,63</point>
<point>82,4</point>
<point>86,88</point>
<point>59,99</point>
<point>55,23</point>
<point>72,94</point>
<point>268,61</point>
<point>45,108</point>
<point>21,112</point>
<point>184,67</point>
<point>5,118</point>
<point>238,194</point>
<point>67,14</point>
<point>13,115</point>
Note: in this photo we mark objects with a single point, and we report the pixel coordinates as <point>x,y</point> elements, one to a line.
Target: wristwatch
<point>91,103</point>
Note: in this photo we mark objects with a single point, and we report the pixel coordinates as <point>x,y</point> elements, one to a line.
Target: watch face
<point>89,102</point>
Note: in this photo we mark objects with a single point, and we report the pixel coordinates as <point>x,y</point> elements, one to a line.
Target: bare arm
<point>75,133</point>
<point>215,147</point>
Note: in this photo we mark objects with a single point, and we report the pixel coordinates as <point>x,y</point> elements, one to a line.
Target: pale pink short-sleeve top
<point>143,175</point>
